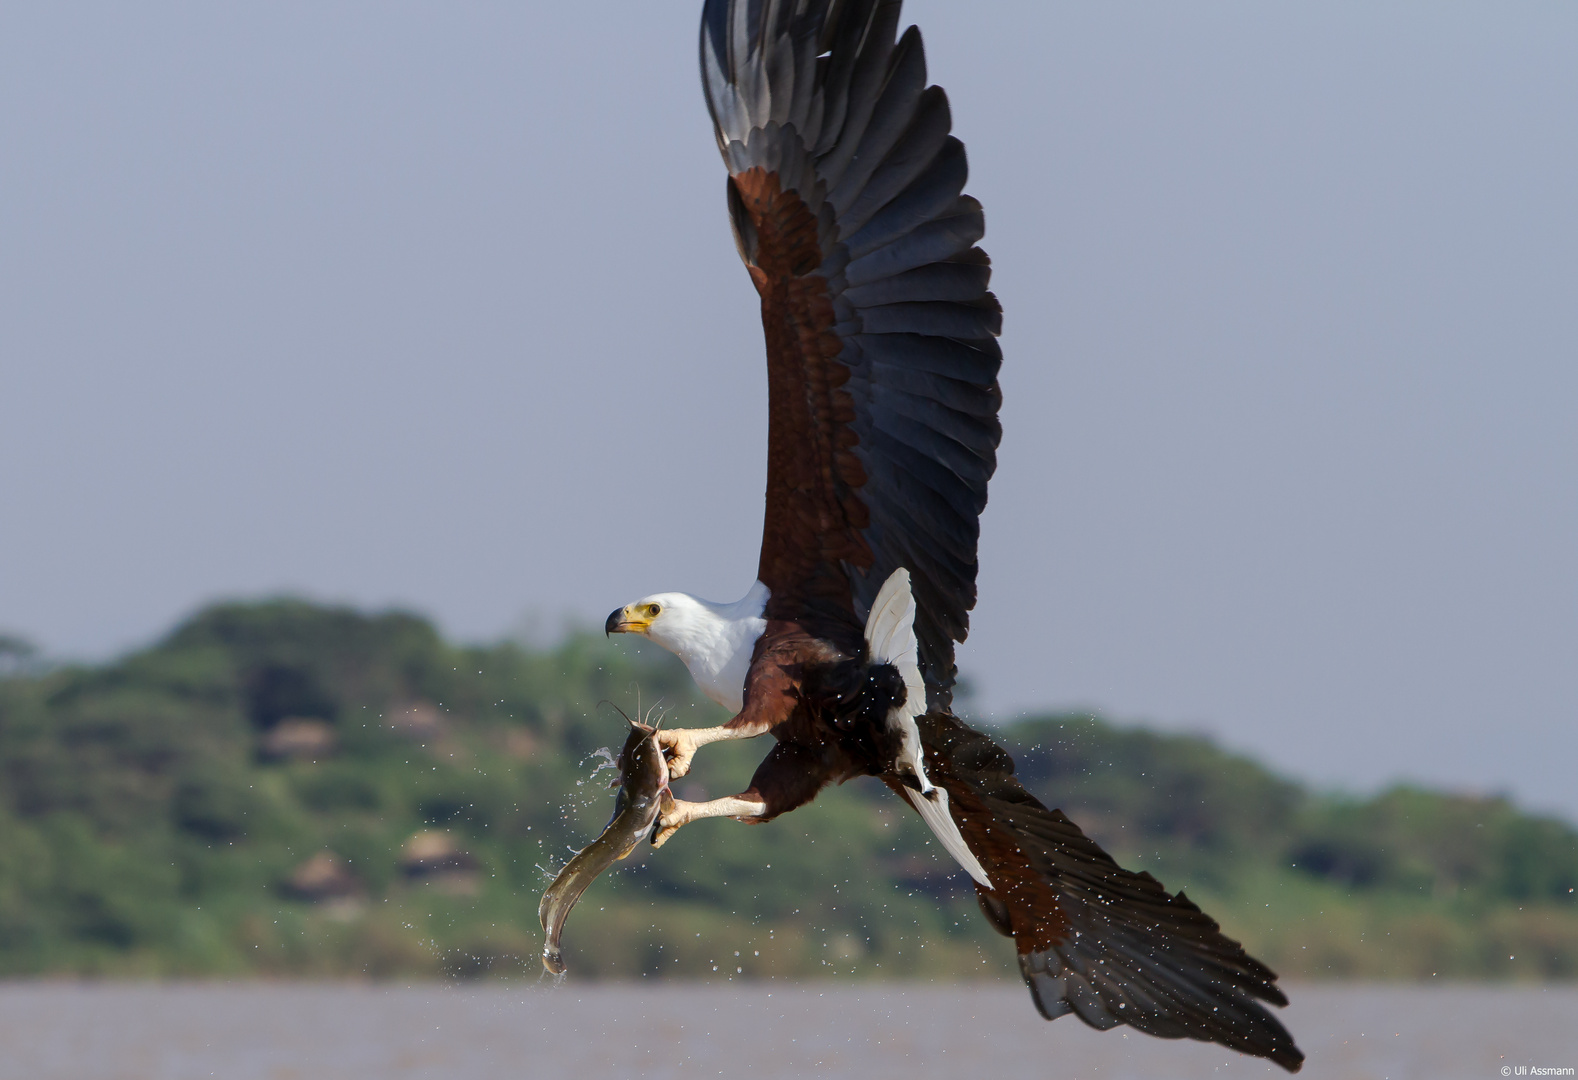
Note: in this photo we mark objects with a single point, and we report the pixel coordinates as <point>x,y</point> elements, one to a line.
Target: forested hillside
<point>283,788</point>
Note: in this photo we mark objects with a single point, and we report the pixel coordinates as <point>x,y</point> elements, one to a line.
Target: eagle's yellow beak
<point>627,620</point>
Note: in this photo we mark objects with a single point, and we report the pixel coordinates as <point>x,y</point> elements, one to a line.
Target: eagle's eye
<point>652,610</point>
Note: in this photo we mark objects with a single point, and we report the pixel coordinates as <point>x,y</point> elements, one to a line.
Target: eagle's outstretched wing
<point>1107,944</point>
<point>844,192</point>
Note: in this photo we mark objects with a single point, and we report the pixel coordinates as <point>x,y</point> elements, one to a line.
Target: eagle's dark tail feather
<point>1109,945</point>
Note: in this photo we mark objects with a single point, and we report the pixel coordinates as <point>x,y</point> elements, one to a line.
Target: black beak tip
<point>613,623</point>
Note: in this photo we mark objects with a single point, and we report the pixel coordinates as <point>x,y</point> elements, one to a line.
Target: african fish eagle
<point>845,194</point>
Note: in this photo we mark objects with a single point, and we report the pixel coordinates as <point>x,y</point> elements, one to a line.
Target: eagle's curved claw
<point>670,817</point>
<point>679,746</point>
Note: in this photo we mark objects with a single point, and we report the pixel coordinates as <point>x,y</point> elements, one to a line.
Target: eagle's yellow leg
<point>680,744</point>
<point>677,812</point>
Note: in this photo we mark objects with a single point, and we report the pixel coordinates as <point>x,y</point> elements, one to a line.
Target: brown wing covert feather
<point>814,516</point>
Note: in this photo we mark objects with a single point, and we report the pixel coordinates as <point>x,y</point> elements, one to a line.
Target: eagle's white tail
<point>890,639</point>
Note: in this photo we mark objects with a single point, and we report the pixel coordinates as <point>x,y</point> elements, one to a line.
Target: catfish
<point>643,792</point>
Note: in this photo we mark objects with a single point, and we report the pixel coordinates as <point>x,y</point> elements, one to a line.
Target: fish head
<point>643,770</point>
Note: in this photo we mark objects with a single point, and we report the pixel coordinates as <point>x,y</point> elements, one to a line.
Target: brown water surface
<point>322,1031</point>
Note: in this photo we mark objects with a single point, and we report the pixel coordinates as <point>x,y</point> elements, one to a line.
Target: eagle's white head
<point>714,640</point>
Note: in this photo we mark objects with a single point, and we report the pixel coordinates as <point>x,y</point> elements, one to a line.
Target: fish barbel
<point>643,789</point>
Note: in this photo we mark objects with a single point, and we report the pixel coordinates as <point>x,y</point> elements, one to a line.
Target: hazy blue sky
<point>435,305</point>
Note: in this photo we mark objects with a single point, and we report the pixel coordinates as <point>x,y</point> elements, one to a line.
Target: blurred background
<point>436,307</point>
<point>429,319</point>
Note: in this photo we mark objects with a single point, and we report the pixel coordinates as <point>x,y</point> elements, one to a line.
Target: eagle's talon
<point>668,820</point>
<point>679,747</point>
<point>664,828</point>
